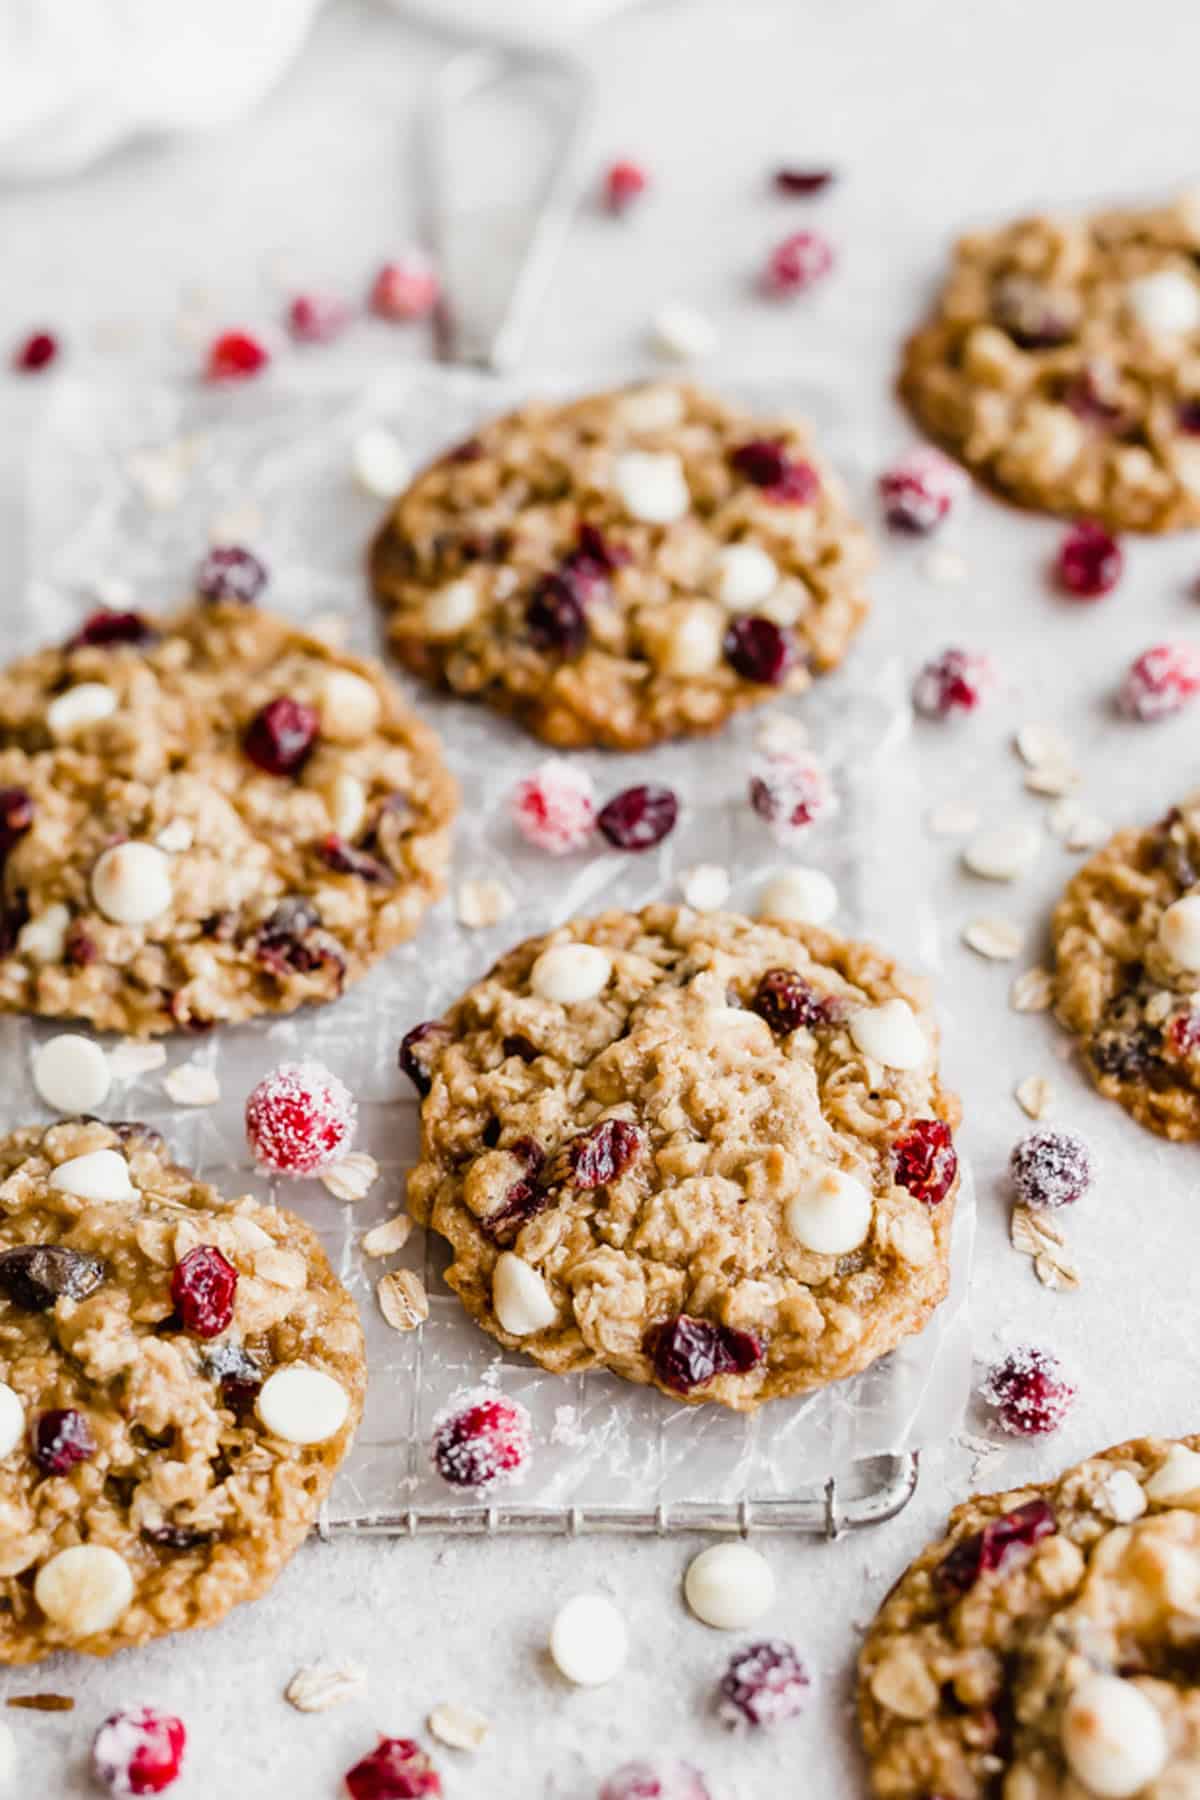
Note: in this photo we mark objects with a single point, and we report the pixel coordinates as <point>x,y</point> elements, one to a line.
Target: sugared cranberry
<point>801,181</point>
<point>230,572</point>
<point>766,464</point>
<point>279,739</point>
<point>1089,562</point>
<point>604,1153</point>
<point>986,1551</point>
<point>1029,1392</point>
<point>759,650</point>
<point>236,356</point>
<point>787,1002</point>
<point>103,628</point>
<point>763,1685</point>
<point>555,617</point>
<point>954,682</point>
<point>202,1289</point>
<point>60,1439</point>
<point>300,1119</point>
<point>483,1441</point>
<point>925,1161</point>
<point>791,790</point>
<point>139,1751</point>
<point>1160,681</point>
<point>920,489</point>
<point>688,1353</point>
<point>655,1781</point>
<point>639,817</point>
<point>525,1198</point>
<point>397,1769</point>
<point>345,859</point>
<point>16,817</point>
<point>34,1276</point>
<point>405,289</point>
<point>624,182</point>
<point>554,808</point>
<point>37,351</point>
<point>1051,1168</point>
<point>317,318</point>
<point>419,1051</point>
<point>799,263</point>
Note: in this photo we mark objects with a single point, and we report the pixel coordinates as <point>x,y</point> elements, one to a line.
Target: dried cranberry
<point>765,463</point>
<point>177,1537</point>
<point>1051,1168</point>
<point>290,939</point>
<point>555,618</point>
<point>799,485</point>
<point>1183,1034</point>
<point>279,739</point>
<point>687,1353</point>
<point>37,351</point>
<point>1090,561</point>
<point>524,1199</point>
<point>235,356</point>
<point>60,1439</point>
<point>787,1002</point>
<point>763,1684</point>
<point>229,572</point>
<point>639,817</point>
<point>925,1161</point>
<point>593,550</point>
<point>80,948</point>
<point>419,1051</point>
<point>481,1443</point>
<point>759,650</point>
<point>801,181</point>
<point>102,628</point>
<point>139,1752</point>
<point>397,1769</point>
<point>344,859</point>
<point>624,182</point>
<point>202,1289</point>
<point>34,1276</point>
<point>1029,1392</point>
<point>604,1153</point>
<point>16,817</point>
<point>1188,416</point>
<point>1086,397</point>
<point>1034,316</point>
<point>517,1044</point>
<point>986,1551</point>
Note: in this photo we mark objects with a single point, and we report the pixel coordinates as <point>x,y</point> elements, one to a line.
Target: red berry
<point>406,289</point>
<point>1029,1392</point>
<point>800,262</point>
<point>317,318</point>
<point>419,1051</point>
<point>688,1353</point>
<point>236,356</point>
<point>37,352</point>
<point>1187,416</point>
<point>655,1781</point>
<point>925,1161</point>
<point>919,490</point>
<point>954,682</point>
<point>988,1550</point>
<point>524,1199</point>
<point>639,817</point>
<point>202,1289</point>
<point>759,650</point>
<point>555,617</point>
<point>554,808</point>
<point>139,1751</point>
<point>60,1439</point>
<point>603,1154</point>
<point>765,463</point>
<point>1051,1168</point>
<point>791,790</point>
<point>801,181</point>
<point>100,629</point>
<point>764,1684</point>
<point>397,1769</point>
<point>482,1441</point>
<point>624,182</point>
<point>229,572</point>
<point>1160,681</point>
<point>279,739</point>
<point>787,1002</point>
<point>299,1119</point>
<point>1090,561</point>
<point>344,859</point>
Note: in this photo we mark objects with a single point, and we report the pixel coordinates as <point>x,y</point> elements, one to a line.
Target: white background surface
<point>936,113</point>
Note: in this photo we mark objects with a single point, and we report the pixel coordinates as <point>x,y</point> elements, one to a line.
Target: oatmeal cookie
<point>1127,970</point>
<point>180,1376</point>
<point>1062,363</point>
<point>708,1154</point>
<point>625,568</point>
<point>206,818</point>
<point>1041,1649</point>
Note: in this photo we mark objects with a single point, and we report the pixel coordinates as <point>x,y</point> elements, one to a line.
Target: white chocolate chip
<point>131,883</point>
<point>1177,1477</point>
<point>656,408</point>
<point>302,1405</point>
<point>729,1586</point>
<point>12,1419</point>
<point>96,1175</point>
<point>176,837</point>
<point>380,463</point>
<point>190,1084</point>
<point>570,973</point>
<point>743,574</point>
<point>84,1589</point>
<point>830,1213</point>
<point>693,645</point>
<point>520,1296</point>
<point>483,902</point>
<point>1179,932</point>
<point>1113,1737</point>
<point>346,800</point>
<point>349,706</point>
<point>706,886</point>
<point>890,1033</point>
<point>80,707</point>
<point>1165,304</point>
<point>450,610</point>
<point>1121,1497</point>
<point>651,486</point>
<point>1003,854</point>
<point>71,1074</point>
<point>44,938</point>
<point>806,895</point>
<point>588,1640</point>
<point>682,333</point>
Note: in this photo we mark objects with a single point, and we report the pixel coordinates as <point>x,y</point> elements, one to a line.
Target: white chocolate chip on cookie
<point>44,937</point>
<point>302,1405</point>
<point>1165,304</point>
<point>450,610</point>
<point>78,707</point>
<point>84,1589</point>
<point>97,1175</point>
<point>651,486</point>
<point>346,799</point>
<point>348,705</point>
<point>570,973</point>
<point>1177,1477</point>
<point>71,1073</point>
<point>693,643</point>
<point>520,1297</point>
<point>131,883</point>
<point>1179,932</point>
<point>743,574</point>
<point>1113,1737</point>
<point>1120,1496</point>
<point>830,1213</point>
<point>890,1033</point>
<point>12,1419</point>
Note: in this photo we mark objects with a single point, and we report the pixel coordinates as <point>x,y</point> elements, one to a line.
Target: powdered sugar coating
<point>791,788</point>
<point>1159,682</point>
<point>300,1119</point>
<point>1029,1391</point>
<point>1052,1168</point>
<point>482,1440</point>
<point>763,1685</point>
<point>554,809</point>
